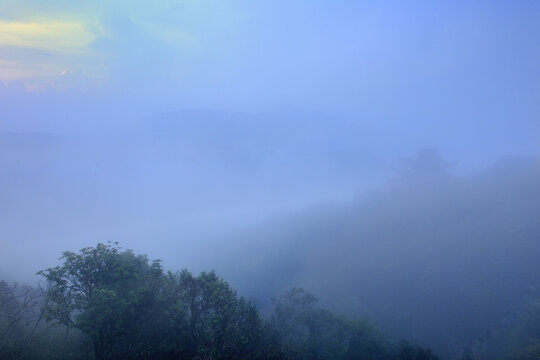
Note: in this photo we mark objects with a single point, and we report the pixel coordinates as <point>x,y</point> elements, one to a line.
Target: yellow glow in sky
<point>50,35</point>
<point>37,52</point>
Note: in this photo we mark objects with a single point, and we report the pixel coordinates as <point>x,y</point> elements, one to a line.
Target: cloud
<point>128,36</point>
<point>53,36</point>
<point>37,52</point>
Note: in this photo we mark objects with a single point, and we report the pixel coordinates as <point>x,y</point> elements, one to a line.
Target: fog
<point>441,258</point>
<point>384,156</point>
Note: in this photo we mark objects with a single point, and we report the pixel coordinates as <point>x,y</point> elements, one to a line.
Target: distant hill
<point>439,259</point>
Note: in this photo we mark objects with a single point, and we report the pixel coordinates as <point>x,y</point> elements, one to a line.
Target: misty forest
<point>269,180</point>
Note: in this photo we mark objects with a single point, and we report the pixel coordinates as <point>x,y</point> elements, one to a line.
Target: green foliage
<point>209,318</point>
<point>129,308</point>
<point>108,303</point>
<point>101,291</point>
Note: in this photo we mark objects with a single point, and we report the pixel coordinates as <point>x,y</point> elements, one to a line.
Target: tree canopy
<point>109,303</point>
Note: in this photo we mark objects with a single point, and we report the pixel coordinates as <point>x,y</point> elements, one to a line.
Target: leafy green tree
<point>210,317</point>
<point>128,308</point>
<point>102,291</point>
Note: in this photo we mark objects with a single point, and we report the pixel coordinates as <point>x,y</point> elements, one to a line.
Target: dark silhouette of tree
<point>215,322</point>
<point>307,332</point>
<point>101,291</point>
<point>127,308</point>
<point>20,314</point>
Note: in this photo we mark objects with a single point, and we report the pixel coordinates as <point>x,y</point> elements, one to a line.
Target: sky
<point>433,64</point>
<point>383,78</point>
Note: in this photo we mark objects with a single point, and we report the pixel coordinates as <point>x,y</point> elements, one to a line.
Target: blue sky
<point>355,56</point>
<point>447,74</point>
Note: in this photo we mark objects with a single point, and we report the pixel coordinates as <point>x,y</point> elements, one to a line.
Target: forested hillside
<point>108,303</point>
<point>442,258</point>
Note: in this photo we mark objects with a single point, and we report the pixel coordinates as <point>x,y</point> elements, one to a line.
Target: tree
<point>101,291</point>
<point>129,309</point>
<point>307,332</point>
<point>407,351</point>
<point>290,312</point>
<point>211,318</point>
<point>19,317</point>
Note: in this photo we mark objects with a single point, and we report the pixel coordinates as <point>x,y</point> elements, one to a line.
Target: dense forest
<point>109,303</point>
